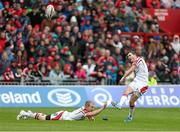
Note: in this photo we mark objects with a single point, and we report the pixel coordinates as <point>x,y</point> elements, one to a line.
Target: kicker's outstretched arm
<point>127,73</point>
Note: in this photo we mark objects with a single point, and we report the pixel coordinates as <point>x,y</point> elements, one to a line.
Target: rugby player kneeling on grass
<point>78,114</point>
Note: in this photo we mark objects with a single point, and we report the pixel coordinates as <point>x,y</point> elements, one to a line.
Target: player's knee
<point>131,103</point>
<point>126,93</point>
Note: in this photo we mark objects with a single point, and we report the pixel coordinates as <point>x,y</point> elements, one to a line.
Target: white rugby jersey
<point>141,71</point>
<point>78,114</point>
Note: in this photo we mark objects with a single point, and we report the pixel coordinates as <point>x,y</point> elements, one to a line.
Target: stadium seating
<point>86,42</point>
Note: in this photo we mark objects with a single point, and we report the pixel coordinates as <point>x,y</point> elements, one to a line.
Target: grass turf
<point>160,119</point>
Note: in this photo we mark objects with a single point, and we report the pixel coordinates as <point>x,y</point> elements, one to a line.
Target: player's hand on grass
<point>92,119</point>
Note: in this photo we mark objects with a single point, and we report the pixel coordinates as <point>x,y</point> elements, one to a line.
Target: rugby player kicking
<point>137,87</point>
<point>78,114</point>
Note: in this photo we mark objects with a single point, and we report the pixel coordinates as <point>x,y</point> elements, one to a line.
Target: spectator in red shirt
<point>80,72</point>
<point>8,75</point>
<point>107,58</point>
<point>68,72</point>
<point>2,41</point>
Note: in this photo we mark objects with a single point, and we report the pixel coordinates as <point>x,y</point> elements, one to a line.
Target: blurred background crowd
<point>84,41</point>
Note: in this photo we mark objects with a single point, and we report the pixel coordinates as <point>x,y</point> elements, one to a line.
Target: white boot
<point>22,115</point>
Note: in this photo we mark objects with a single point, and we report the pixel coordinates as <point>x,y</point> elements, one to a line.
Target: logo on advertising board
<point>64,97</point>
<point>101,95</point>
<point>70,96</point>
<point>12,97</point>
<point>160,97</point>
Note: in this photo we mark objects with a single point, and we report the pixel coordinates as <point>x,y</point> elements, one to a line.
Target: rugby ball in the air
<point>50,11</point>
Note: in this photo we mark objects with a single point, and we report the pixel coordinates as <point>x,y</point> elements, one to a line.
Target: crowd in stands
<point>84,40</point>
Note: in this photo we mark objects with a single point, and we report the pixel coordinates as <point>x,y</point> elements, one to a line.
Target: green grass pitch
<point>148,119</point>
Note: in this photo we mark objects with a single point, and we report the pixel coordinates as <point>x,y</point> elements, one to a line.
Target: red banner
<point>169,19</point>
